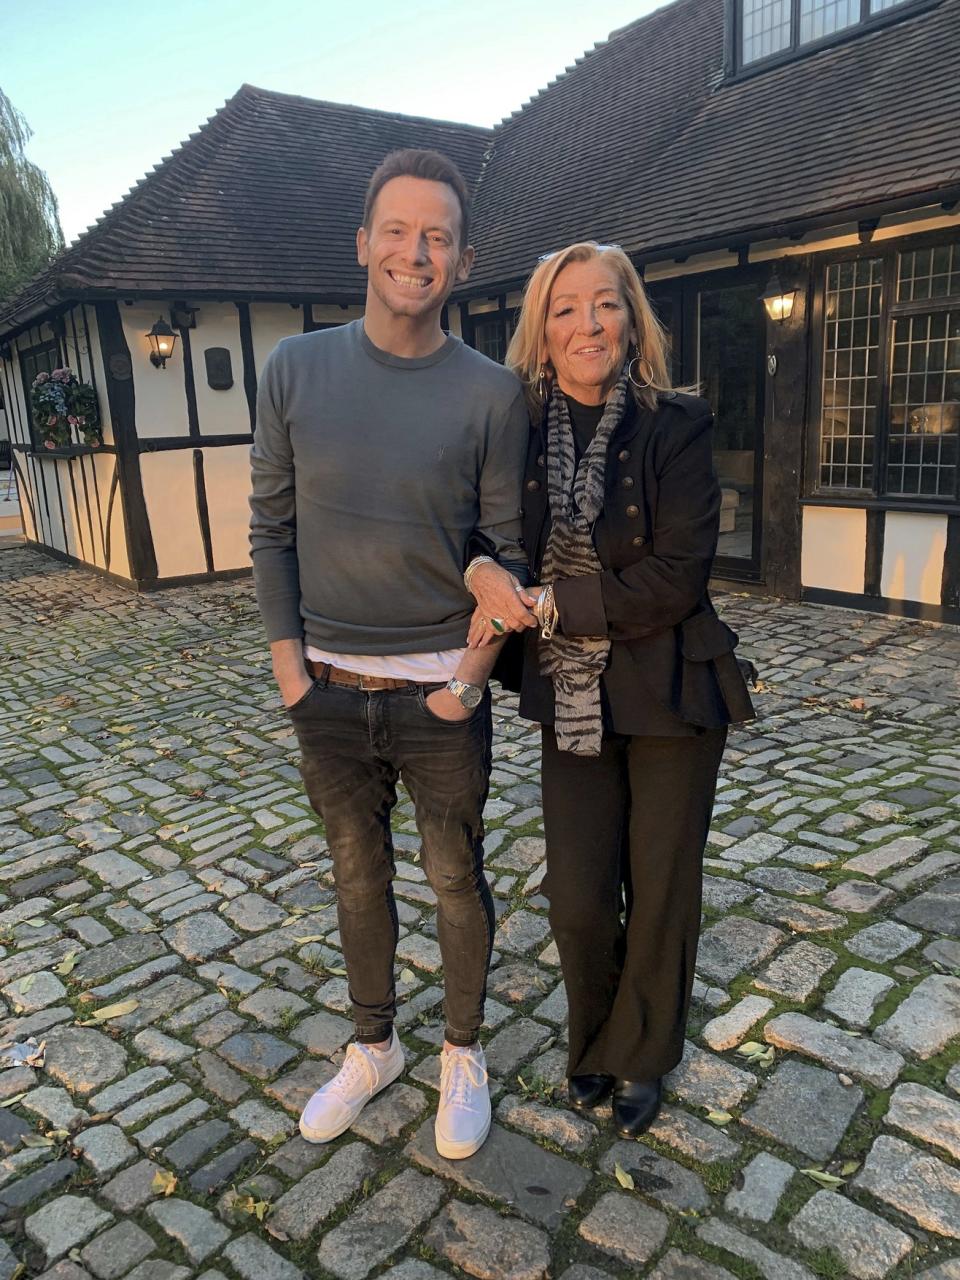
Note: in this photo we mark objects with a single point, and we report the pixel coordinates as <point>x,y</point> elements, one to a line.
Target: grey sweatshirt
<point>370,473</point>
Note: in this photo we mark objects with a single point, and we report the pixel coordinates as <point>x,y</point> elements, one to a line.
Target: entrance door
<point>729,373</point>
<point>717,332</point>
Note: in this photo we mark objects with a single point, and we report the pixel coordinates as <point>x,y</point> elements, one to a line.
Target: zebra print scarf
<point>575,663</point>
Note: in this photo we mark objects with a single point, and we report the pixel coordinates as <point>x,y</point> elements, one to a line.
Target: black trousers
<point>625,834</point>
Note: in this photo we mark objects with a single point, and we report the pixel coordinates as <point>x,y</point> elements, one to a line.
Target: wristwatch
<point>468,695</point>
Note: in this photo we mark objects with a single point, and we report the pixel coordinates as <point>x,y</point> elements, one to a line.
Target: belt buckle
<point>361,686</point>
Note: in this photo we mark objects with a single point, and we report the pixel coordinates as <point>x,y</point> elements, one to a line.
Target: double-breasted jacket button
<point>624,455</point>
<point>533,486</point>
<point>541,460</point>
<point>633,511</point>
<point>637,542</point>
<point>627,482</point>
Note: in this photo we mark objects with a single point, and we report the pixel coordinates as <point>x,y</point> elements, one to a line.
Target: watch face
<point>471,695</point>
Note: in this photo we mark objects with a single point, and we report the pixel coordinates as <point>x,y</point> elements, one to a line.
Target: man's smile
<point>409,282</point>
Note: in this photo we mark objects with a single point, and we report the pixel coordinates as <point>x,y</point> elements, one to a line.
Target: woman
<point>630,672</point>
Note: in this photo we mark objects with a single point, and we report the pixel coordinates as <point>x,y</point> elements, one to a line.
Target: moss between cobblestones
<point>683,1236</point>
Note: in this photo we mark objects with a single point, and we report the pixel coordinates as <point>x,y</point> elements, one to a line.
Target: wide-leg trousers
<point>625,833</point>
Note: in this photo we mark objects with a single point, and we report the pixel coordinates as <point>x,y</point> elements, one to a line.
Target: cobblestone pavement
<point>169,934</point>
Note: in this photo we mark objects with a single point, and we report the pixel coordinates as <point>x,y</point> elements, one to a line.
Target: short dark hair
<point>412,162</point>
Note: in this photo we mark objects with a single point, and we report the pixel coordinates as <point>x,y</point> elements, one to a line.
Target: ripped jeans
<point>354,746</point>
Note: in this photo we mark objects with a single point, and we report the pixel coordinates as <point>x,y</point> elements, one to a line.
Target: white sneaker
<point>463,1117</point>
<point>364,1073</point>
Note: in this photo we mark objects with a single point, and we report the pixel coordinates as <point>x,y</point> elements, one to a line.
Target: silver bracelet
<point>472,567</point>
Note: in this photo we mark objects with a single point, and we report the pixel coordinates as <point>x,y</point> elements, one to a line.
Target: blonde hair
<point>527,351</point>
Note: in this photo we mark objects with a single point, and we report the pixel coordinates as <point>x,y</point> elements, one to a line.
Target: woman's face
<point>588,330</point>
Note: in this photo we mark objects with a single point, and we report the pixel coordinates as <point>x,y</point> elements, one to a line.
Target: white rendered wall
<point>219,412</point>
<point>160,394</point>
<point>170,493</point>
<point>226,475</point>
<point>914,547</point>
<point>833,551</point>
<point>269,322</point>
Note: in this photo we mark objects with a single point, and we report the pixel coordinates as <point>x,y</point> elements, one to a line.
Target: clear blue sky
<point>109,88</point>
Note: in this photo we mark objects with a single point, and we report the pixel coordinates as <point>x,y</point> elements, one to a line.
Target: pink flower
<point>49,444</point>
<point>72,420</point>
<point>52,420</point>
<point>40,379</point>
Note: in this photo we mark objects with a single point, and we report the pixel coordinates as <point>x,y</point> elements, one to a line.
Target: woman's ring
<point>497,624</point>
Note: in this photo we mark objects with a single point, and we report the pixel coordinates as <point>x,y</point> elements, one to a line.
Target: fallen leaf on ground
<point>67,964</point>
<point>407,975</point>
<point>823,1178</point>
<point>719,1118</point>
<point>165,1181</point>
<point>623,1177</point>
<point>111,1011</point>
<point>12,1102</point>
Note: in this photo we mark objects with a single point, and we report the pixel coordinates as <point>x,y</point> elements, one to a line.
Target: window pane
<point>878,6</point>
<point>490,339</point>
<point>766,28</point>
<point>819,18</point>
<point>928,273</point>
<point>925,405</point>
<point>849,377</point>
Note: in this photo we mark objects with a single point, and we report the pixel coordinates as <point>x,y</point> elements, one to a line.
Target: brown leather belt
<point>354,680</point>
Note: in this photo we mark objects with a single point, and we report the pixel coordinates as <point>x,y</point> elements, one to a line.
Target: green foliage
<point>30,233</point>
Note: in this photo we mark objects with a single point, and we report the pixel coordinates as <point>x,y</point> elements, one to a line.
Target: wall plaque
<point>121,367</point>
<point>219,368</point>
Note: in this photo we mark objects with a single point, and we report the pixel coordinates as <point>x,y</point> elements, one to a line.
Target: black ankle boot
<point>586,1091</point>
<point>635,1106</point>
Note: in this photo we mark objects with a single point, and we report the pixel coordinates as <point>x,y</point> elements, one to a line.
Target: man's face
<point>412,247</point>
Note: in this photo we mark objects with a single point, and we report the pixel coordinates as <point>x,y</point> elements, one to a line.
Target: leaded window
<point>851,335</point>
<point>491,336</point>
<point>43,358</point>
<point>768,28</point>
<point>892,430</point>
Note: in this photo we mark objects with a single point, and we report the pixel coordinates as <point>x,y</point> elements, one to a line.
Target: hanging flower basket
<point>64,410</point>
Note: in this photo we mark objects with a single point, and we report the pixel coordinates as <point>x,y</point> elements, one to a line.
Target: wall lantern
<point>777,300</point>
<point>162,340</point>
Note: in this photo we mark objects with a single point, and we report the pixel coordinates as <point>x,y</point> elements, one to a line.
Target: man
<point>382,448</point>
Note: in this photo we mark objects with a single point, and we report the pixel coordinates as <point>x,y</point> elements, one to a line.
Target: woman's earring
<point>634,369</point>
<point>542,383</point>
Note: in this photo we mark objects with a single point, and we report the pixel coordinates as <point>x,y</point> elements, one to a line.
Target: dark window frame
<point>502,316</point>
<point>738,70</point>
<point>877,497</point>
<point>25,354</point>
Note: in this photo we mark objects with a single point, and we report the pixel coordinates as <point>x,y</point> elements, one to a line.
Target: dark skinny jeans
<point>354,747</point>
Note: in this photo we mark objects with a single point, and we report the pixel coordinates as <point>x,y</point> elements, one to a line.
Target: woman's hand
<point>499,595</point>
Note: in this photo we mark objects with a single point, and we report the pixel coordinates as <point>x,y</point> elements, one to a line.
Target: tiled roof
<point>263,201</point>
<point>643,142</point>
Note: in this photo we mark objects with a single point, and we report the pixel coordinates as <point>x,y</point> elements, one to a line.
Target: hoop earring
<point>542,384</point>
<point>638,361</point>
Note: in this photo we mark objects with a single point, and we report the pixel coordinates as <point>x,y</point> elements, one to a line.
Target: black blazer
<point>655,538</point>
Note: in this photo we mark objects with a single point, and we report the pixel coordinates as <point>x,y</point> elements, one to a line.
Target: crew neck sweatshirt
<point>370,473</point>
